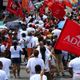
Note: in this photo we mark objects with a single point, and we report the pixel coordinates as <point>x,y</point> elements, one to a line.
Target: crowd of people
<point>35,40</point>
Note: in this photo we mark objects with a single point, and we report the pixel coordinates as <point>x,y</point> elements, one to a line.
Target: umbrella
<point>13,25</point>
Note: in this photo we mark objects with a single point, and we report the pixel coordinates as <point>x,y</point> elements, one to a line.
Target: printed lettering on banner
<point>69,39</point>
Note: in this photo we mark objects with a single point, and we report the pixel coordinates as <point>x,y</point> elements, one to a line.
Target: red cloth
<point>10,9</point>
<point>67,3</point>
<point>57,10</point>
<point>69,39</point>
<point>42,9</point>
<point>49,2</point>
<point>18,11</point>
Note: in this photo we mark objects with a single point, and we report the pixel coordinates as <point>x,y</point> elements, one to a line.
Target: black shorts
<point>16,60</point>
<point>57,51</point>
<point>25,52</point>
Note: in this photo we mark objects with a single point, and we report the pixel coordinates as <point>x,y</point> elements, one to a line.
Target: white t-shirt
<point>30,41</point>
<point>56,32</point>
<point>41,23</point>
<point>28,19</point>
<point>47,58</point>
<point>3,75</point>
<point>20,32</point>
<point>15,53</point>
<point>75,65</point>
<point>22,42</point>
<point>32,62</point>
<point>30,23</point>
<point>45,17</point>
<point>37,77</point>
<point>2,47</point>
<point>36,42</point>
<point>30,29</point>
<point>6,64</point>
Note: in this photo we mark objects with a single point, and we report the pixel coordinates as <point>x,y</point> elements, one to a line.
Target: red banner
<point>11,7</point>
<point>69,39</point>
<point>57,10</point>
<point>14,8</point>
<point>25,5</point>
<point>42,9</point>
<point>67,3</point>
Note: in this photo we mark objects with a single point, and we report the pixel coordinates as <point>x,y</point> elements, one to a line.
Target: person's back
<point>32,62</point>
<point>6,65</point>
<point>15,53</point>
<point>38,77</point>
<point>3,75</point>
<point>2,48</point>
<point>74,68</point>
<point>39,74</point>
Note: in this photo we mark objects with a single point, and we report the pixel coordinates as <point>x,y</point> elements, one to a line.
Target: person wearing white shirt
<point>30,28</point>
<point>44,53</point>
<point>74,68</point>
<point>21,31</point>
<point>5,61</point>
<point>30,44</point>
<point>36,42</point>
<point>39,75</point>
<point>3,75</point>
<point>6,65</point>
<point>33,61</point>
<point>44,17</point>
<point>2,47</point>
<point>15,50</point>
<point>41,24</point>
<point>56,32</point>
<point>22,43</point>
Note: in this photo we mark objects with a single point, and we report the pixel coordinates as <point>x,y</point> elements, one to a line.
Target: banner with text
<point>69,39</point>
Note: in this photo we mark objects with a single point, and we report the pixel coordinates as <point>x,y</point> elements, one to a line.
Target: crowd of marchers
<point>35,39</point>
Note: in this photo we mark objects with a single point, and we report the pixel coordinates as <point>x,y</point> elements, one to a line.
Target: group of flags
<point>17,8</point>
<point>27,5</point>
<point>64,2</point>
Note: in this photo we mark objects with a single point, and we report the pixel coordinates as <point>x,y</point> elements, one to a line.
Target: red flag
<point>49,2</point>
<point>14,9</point>
<point>10,7</point>
<point>57,10</point>
<point>27,5</point>
<point>42,9</point>
<point>69,39</point>
<point>63,2</point>
<point>67,3</point>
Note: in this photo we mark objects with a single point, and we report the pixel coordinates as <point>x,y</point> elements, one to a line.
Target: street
<point>25,76</point>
